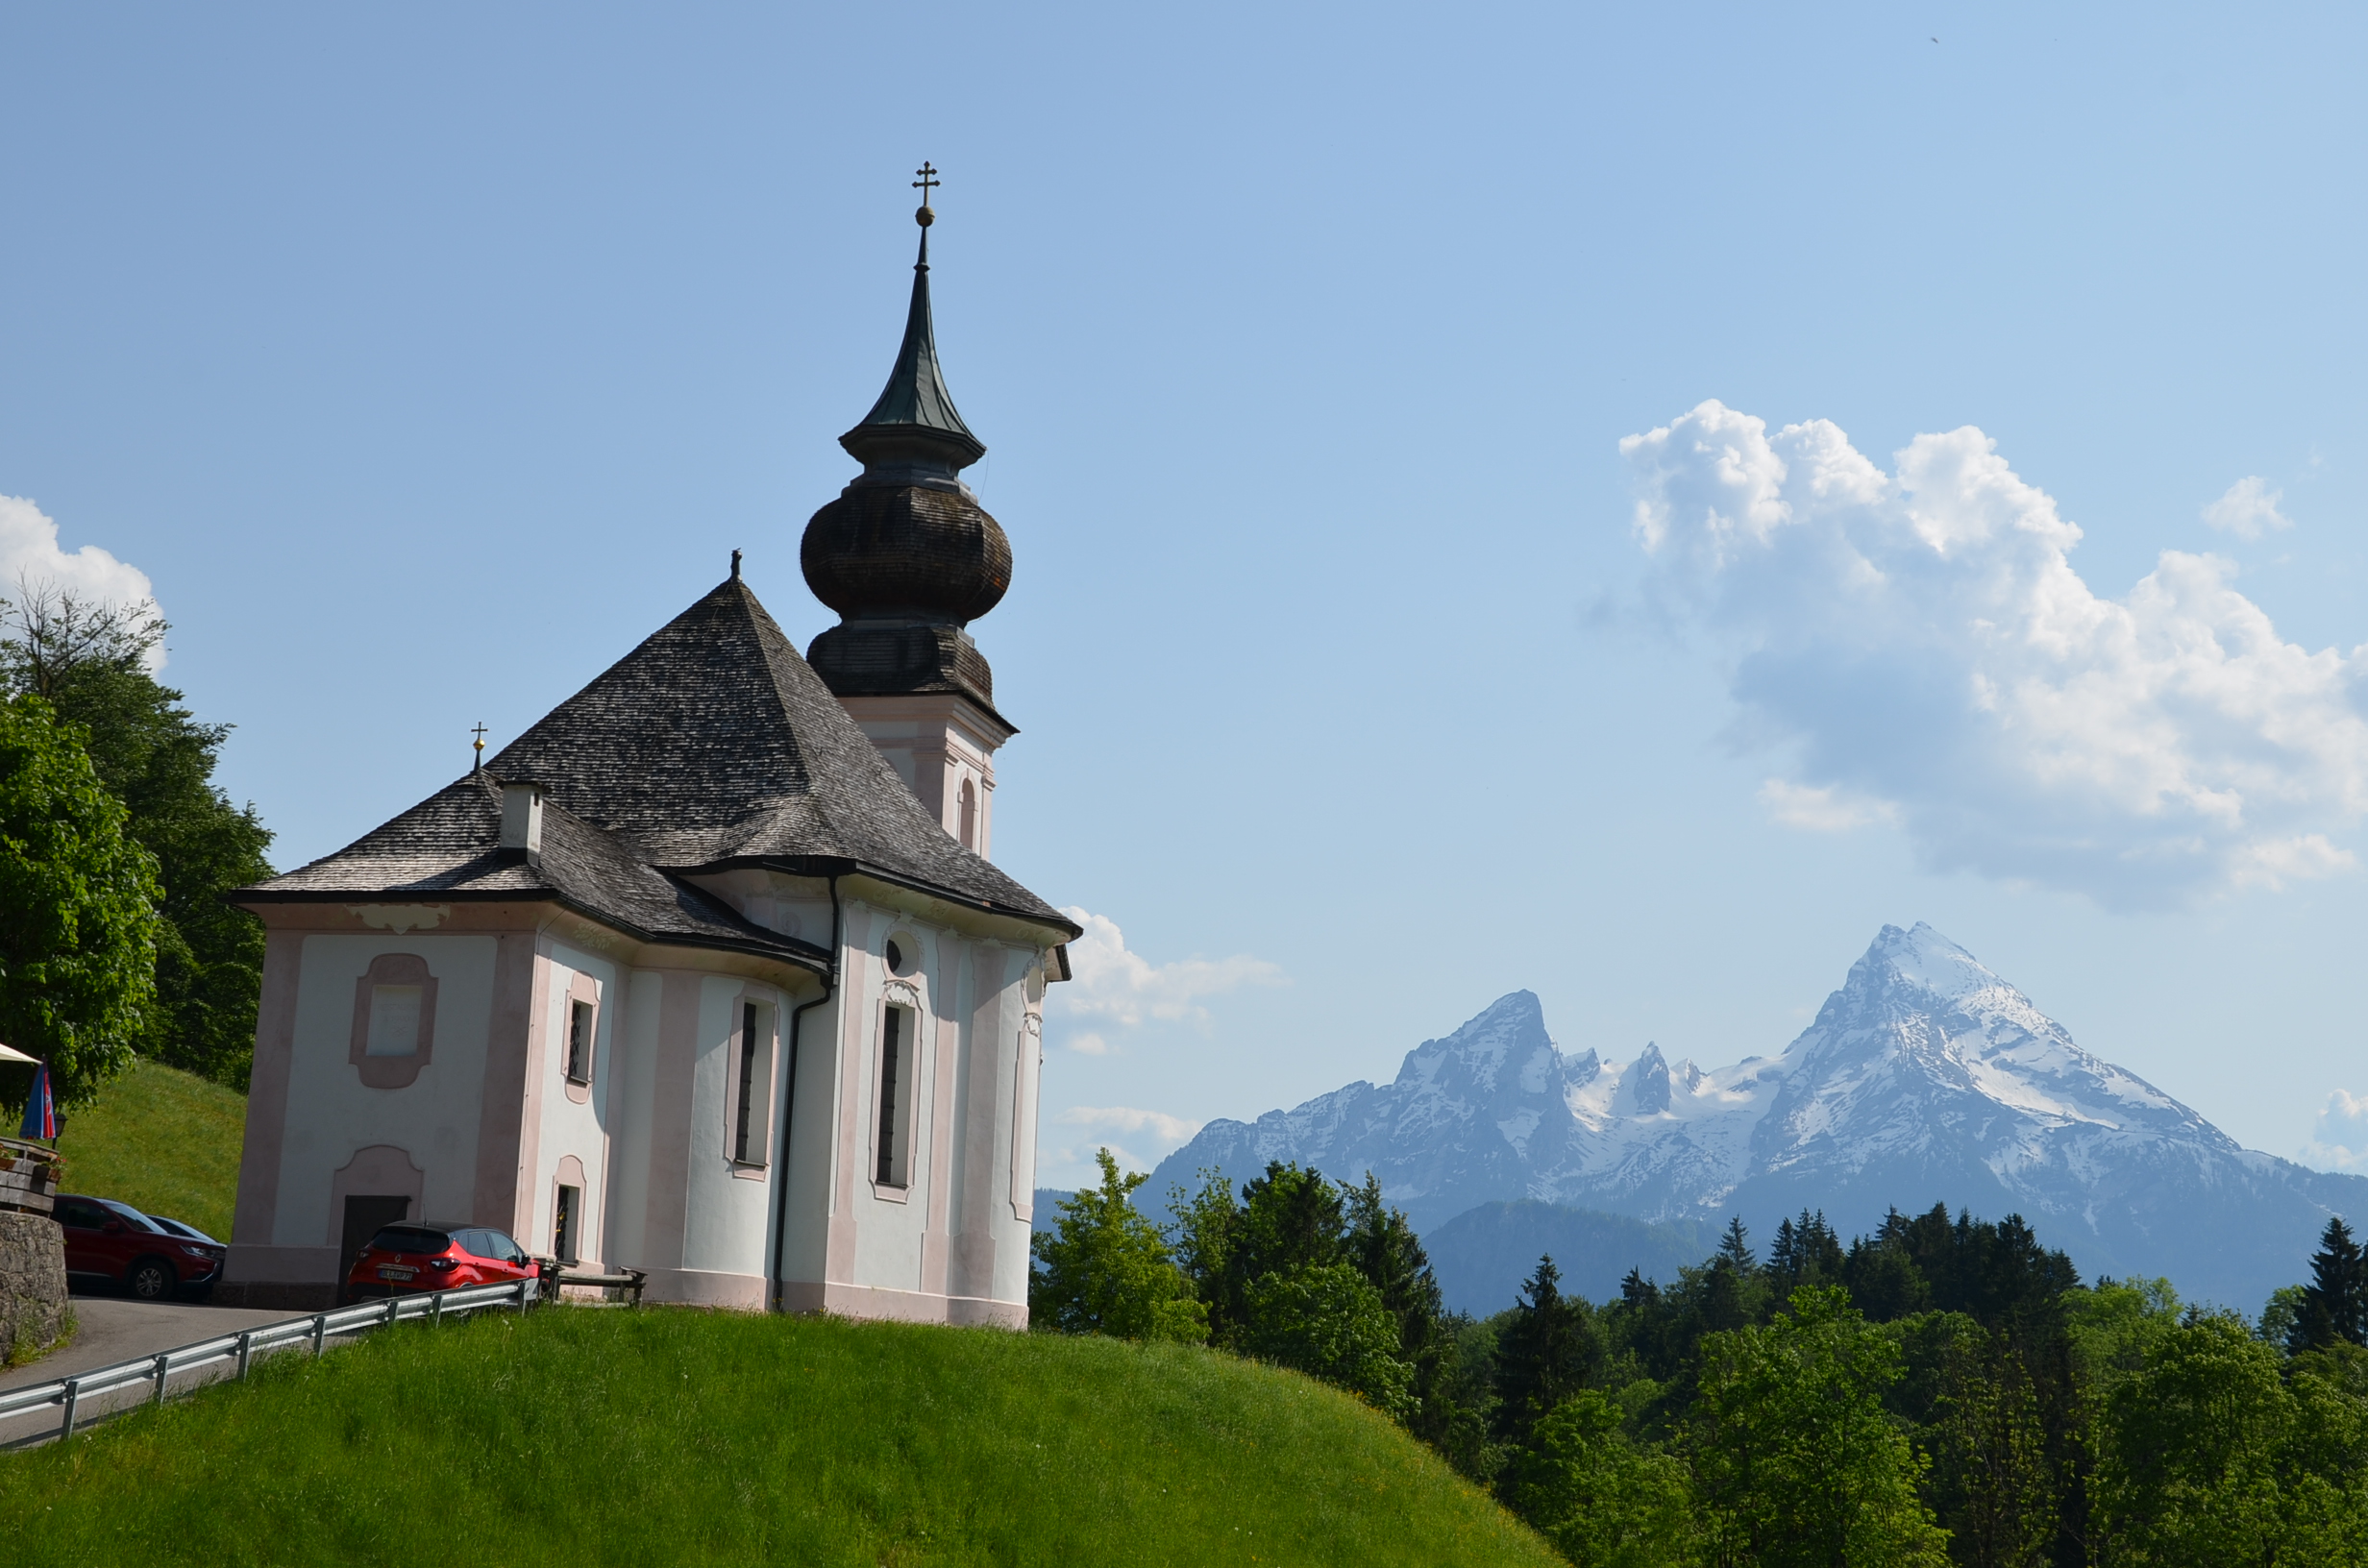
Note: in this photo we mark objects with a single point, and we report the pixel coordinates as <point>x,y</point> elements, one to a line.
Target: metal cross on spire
<point>927,181</point>
<point>479,733</point>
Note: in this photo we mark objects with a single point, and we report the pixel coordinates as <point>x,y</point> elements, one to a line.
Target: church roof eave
<point>805,955</point>
<point>842,865</point>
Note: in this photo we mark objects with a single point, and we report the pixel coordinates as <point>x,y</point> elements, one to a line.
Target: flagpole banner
<point>40,1109</point>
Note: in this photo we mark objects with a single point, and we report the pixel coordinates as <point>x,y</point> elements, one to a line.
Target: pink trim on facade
<point>944,991</point>
<point>580,987</point>
<point>499,1133</point>
<point>903,1306</point>
<point>257,1208</point>
<point>706,1288</point>
<point>570,1173</point>
<point>530,1112</point>
<point>393,1071</point>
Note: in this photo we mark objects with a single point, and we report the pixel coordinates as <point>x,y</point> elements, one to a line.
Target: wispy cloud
<point>1816,809</point>
<point>2249,510</point>
<point>1919,643</point>
<point>1124,988</point>
<point>2340,1139</point>
<point>1138,1140</point>
<point>1125,1118</point>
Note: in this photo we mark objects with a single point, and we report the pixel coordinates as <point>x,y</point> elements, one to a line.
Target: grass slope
<point>663,1436</point>
<point>162,1140</point>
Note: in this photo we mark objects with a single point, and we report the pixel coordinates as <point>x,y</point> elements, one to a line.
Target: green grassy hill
<point>162,1140</point>
<point>590,1435</point>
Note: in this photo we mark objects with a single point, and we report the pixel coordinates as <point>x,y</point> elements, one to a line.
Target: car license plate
<point>397,1273</point>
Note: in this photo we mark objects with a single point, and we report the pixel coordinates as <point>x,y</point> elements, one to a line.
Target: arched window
<point>969,815</point>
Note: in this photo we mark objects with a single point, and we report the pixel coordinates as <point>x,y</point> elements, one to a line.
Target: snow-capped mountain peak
<point>1926,1077</point>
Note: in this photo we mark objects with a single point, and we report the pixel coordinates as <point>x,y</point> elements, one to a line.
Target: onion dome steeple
<point>907,554</point>
<point>914,423</point>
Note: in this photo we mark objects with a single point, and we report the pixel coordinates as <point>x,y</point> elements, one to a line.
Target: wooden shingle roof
<point>711,745</point>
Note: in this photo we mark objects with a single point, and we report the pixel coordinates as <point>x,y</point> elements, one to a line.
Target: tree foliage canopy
<point>78,896</point>
<point>91,663</point>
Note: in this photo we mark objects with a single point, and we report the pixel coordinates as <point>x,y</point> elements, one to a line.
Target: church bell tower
<point>908,559</point>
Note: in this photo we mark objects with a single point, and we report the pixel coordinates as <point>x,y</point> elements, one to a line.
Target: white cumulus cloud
<point>1919,642</point>
<point>2340,1139</point>
<point>2249,510</point>
<point>1124,988</point>
<point>30,554</point>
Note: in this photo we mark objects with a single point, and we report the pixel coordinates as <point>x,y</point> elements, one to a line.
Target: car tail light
<point>443,1262</point>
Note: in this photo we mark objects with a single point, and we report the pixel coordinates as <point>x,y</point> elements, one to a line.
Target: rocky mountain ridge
<point>1926,1077</point>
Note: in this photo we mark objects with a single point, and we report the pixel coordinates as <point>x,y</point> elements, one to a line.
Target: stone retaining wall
<point>31,1284</point>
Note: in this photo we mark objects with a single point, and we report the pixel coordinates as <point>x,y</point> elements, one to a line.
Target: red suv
<point>110,1244</point>
<point>416,1256</point>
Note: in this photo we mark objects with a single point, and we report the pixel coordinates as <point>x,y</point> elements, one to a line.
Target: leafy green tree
<point>89,661</point>
<point>2205,1457</point>
<point>78,923</point>
<point>1289,1218</point>
<point>1104,1269</point>
<point>1603,1500</point>
<point>1991,1483</point>
<point>2282,1318</point>
<point>1796,1464</point>
<point>1328,1321</point>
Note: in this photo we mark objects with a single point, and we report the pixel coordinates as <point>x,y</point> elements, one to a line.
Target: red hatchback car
<point>110,1244</point>
<point>418,1255</point>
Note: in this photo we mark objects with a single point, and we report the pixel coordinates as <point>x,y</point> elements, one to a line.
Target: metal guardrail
<point>243,1346</point>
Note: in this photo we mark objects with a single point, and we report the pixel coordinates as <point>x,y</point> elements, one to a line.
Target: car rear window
<point>410,1239</point>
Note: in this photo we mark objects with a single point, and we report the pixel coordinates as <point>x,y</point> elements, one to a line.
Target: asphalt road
<point>117,1328</point>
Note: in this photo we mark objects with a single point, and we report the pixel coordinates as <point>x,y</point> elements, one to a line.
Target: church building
<point>706,974</point>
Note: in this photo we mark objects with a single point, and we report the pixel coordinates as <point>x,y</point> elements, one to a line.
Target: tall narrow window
<point>563,1224</point>
<point>892,1049</point>
<point>580,1043</point>
<point>747,1141</point>
<point>970,817</point>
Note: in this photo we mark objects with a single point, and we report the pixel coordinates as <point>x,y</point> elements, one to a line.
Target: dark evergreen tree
<point>2334,1303</point>
<point>1383,1247</point>
<point>1735,1247</point>
<point>1545,1350</point>
<point>1806,1252</point>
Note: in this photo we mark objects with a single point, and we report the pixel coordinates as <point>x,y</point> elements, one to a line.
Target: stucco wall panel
<point>330,1114</point>
<point>631,1083</point>
<point>728,1218</point>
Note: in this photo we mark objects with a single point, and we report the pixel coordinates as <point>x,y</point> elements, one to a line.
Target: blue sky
<point>422,364</point>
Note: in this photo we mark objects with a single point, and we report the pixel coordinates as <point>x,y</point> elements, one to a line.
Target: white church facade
<point>707,975</point>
